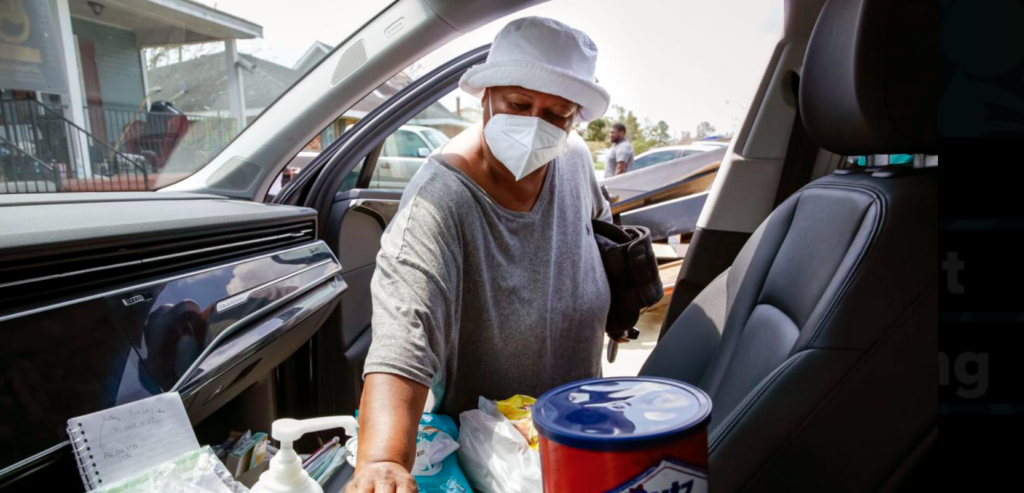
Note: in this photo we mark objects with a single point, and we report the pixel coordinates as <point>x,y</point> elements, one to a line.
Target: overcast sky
<point>682,61</point>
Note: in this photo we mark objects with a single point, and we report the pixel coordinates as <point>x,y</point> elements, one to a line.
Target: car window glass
<point>409,144</point>
<point>390,147</point>
<point>405,150</point>
<point>437,139</point>
<point>350,179</point>
<point>138,95</point>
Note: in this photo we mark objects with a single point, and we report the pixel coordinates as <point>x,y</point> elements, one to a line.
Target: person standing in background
<point>620,159</point>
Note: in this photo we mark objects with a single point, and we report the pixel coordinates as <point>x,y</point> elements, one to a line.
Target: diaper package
<point>436,469</point>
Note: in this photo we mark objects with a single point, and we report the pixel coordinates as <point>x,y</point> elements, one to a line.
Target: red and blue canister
<point>629,435</point>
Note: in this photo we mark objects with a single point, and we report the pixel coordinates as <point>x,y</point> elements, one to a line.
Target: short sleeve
<point>409,321</point>
<point>411,290</point>
<point>623,153</point>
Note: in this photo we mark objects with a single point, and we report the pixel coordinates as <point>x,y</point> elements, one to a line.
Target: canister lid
<point>617,413</point>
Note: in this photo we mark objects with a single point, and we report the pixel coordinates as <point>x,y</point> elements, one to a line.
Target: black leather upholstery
<point>869,82</point>
<point>817,344</point>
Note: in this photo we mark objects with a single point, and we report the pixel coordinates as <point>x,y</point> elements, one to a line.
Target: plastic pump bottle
<point>286,474</point>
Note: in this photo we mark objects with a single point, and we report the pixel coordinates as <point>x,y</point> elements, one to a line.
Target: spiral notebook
<point>122,441</point>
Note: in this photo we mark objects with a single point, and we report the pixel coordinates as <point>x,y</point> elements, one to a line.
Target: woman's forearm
<point>389,414</point>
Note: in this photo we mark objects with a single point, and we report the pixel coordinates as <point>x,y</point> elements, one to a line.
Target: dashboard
<point>110,298</point>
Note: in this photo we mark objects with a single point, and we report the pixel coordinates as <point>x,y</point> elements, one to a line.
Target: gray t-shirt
<point>620,153</point>
<point>471,299</point>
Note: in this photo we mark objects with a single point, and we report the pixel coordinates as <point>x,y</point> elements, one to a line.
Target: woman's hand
<point>382,477</point>
<point>389,415</point>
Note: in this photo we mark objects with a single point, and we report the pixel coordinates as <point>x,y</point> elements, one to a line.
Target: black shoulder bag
<point>632,270</point>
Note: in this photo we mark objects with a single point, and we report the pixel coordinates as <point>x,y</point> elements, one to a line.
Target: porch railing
<point>156,135</point>
<point>81,161</point>
<point>23,172</point>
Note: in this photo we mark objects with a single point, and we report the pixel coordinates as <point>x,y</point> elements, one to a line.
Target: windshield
<point>129,88</point>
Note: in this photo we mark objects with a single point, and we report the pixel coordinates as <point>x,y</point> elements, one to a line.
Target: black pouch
<point>632,270</point>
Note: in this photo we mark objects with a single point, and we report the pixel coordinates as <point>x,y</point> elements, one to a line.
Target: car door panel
<point>358,219</point>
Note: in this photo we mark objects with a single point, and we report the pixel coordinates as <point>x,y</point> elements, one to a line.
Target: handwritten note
<point>123,441</point>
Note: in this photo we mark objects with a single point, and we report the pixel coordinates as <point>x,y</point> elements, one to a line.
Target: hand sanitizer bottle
<point>286,474</point>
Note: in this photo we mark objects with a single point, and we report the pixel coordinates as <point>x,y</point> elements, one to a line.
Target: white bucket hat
<point>542,55</point>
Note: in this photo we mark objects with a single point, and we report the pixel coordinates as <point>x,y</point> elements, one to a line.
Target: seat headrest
<point>870,77</point>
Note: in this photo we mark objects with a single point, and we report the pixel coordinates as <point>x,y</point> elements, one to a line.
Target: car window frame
<point>321,185</point>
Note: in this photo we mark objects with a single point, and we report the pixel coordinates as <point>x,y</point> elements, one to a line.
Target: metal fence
<point>42,151</point>
<point>156,135</point>
<point>24,173</point>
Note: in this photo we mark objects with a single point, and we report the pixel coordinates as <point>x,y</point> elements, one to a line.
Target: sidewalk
<point>633,354</point>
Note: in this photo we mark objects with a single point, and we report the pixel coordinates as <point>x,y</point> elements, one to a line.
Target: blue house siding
<point>117,61</point>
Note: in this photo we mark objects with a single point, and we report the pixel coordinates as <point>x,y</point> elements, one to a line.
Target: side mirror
<point>423,152</point>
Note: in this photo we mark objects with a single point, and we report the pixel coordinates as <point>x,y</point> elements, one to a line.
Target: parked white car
<point>403,154</point>
<point>663,154</point>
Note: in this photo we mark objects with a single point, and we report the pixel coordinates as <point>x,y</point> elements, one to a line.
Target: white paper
<point>120,442</point>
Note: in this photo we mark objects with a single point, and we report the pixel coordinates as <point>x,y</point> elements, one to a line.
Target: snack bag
<point>519,410</point>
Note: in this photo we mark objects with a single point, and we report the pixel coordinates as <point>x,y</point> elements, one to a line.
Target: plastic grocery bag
<point>495,455</point>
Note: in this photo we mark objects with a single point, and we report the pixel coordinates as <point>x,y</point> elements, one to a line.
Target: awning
<point>167,22</point>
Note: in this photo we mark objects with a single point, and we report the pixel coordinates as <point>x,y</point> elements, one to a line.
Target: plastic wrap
<point>198,471</point>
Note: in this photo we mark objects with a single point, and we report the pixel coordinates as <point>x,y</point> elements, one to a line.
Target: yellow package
<point>519,410</point>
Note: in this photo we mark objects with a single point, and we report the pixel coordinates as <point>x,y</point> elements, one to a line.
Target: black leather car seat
<point>817,345</point>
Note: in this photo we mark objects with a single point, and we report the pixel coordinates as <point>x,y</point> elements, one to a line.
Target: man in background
<point>620,157</point>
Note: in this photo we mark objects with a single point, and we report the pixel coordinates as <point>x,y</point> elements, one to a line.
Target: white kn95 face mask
<point>522,143</point>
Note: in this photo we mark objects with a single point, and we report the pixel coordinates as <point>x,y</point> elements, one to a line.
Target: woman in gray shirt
<point>489,281</point>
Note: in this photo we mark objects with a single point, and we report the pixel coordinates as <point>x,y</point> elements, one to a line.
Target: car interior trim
<point>231,329</point>
<point>296,234</point>
<point>101,294</point>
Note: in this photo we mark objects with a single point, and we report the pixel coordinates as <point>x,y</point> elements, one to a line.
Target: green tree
<point>659,134</point>
<point>597,130</point>
<point>635,131</point>
<point>705,129</point>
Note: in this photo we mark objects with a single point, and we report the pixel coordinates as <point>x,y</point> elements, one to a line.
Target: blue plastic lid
<point>618,413</point>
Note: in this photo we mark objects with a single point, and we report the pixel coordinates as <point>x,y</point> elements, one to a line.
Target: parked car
<point>401,157</point>
<point>806,309</point>
<point>403,153</point>
<point>663,154</point>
